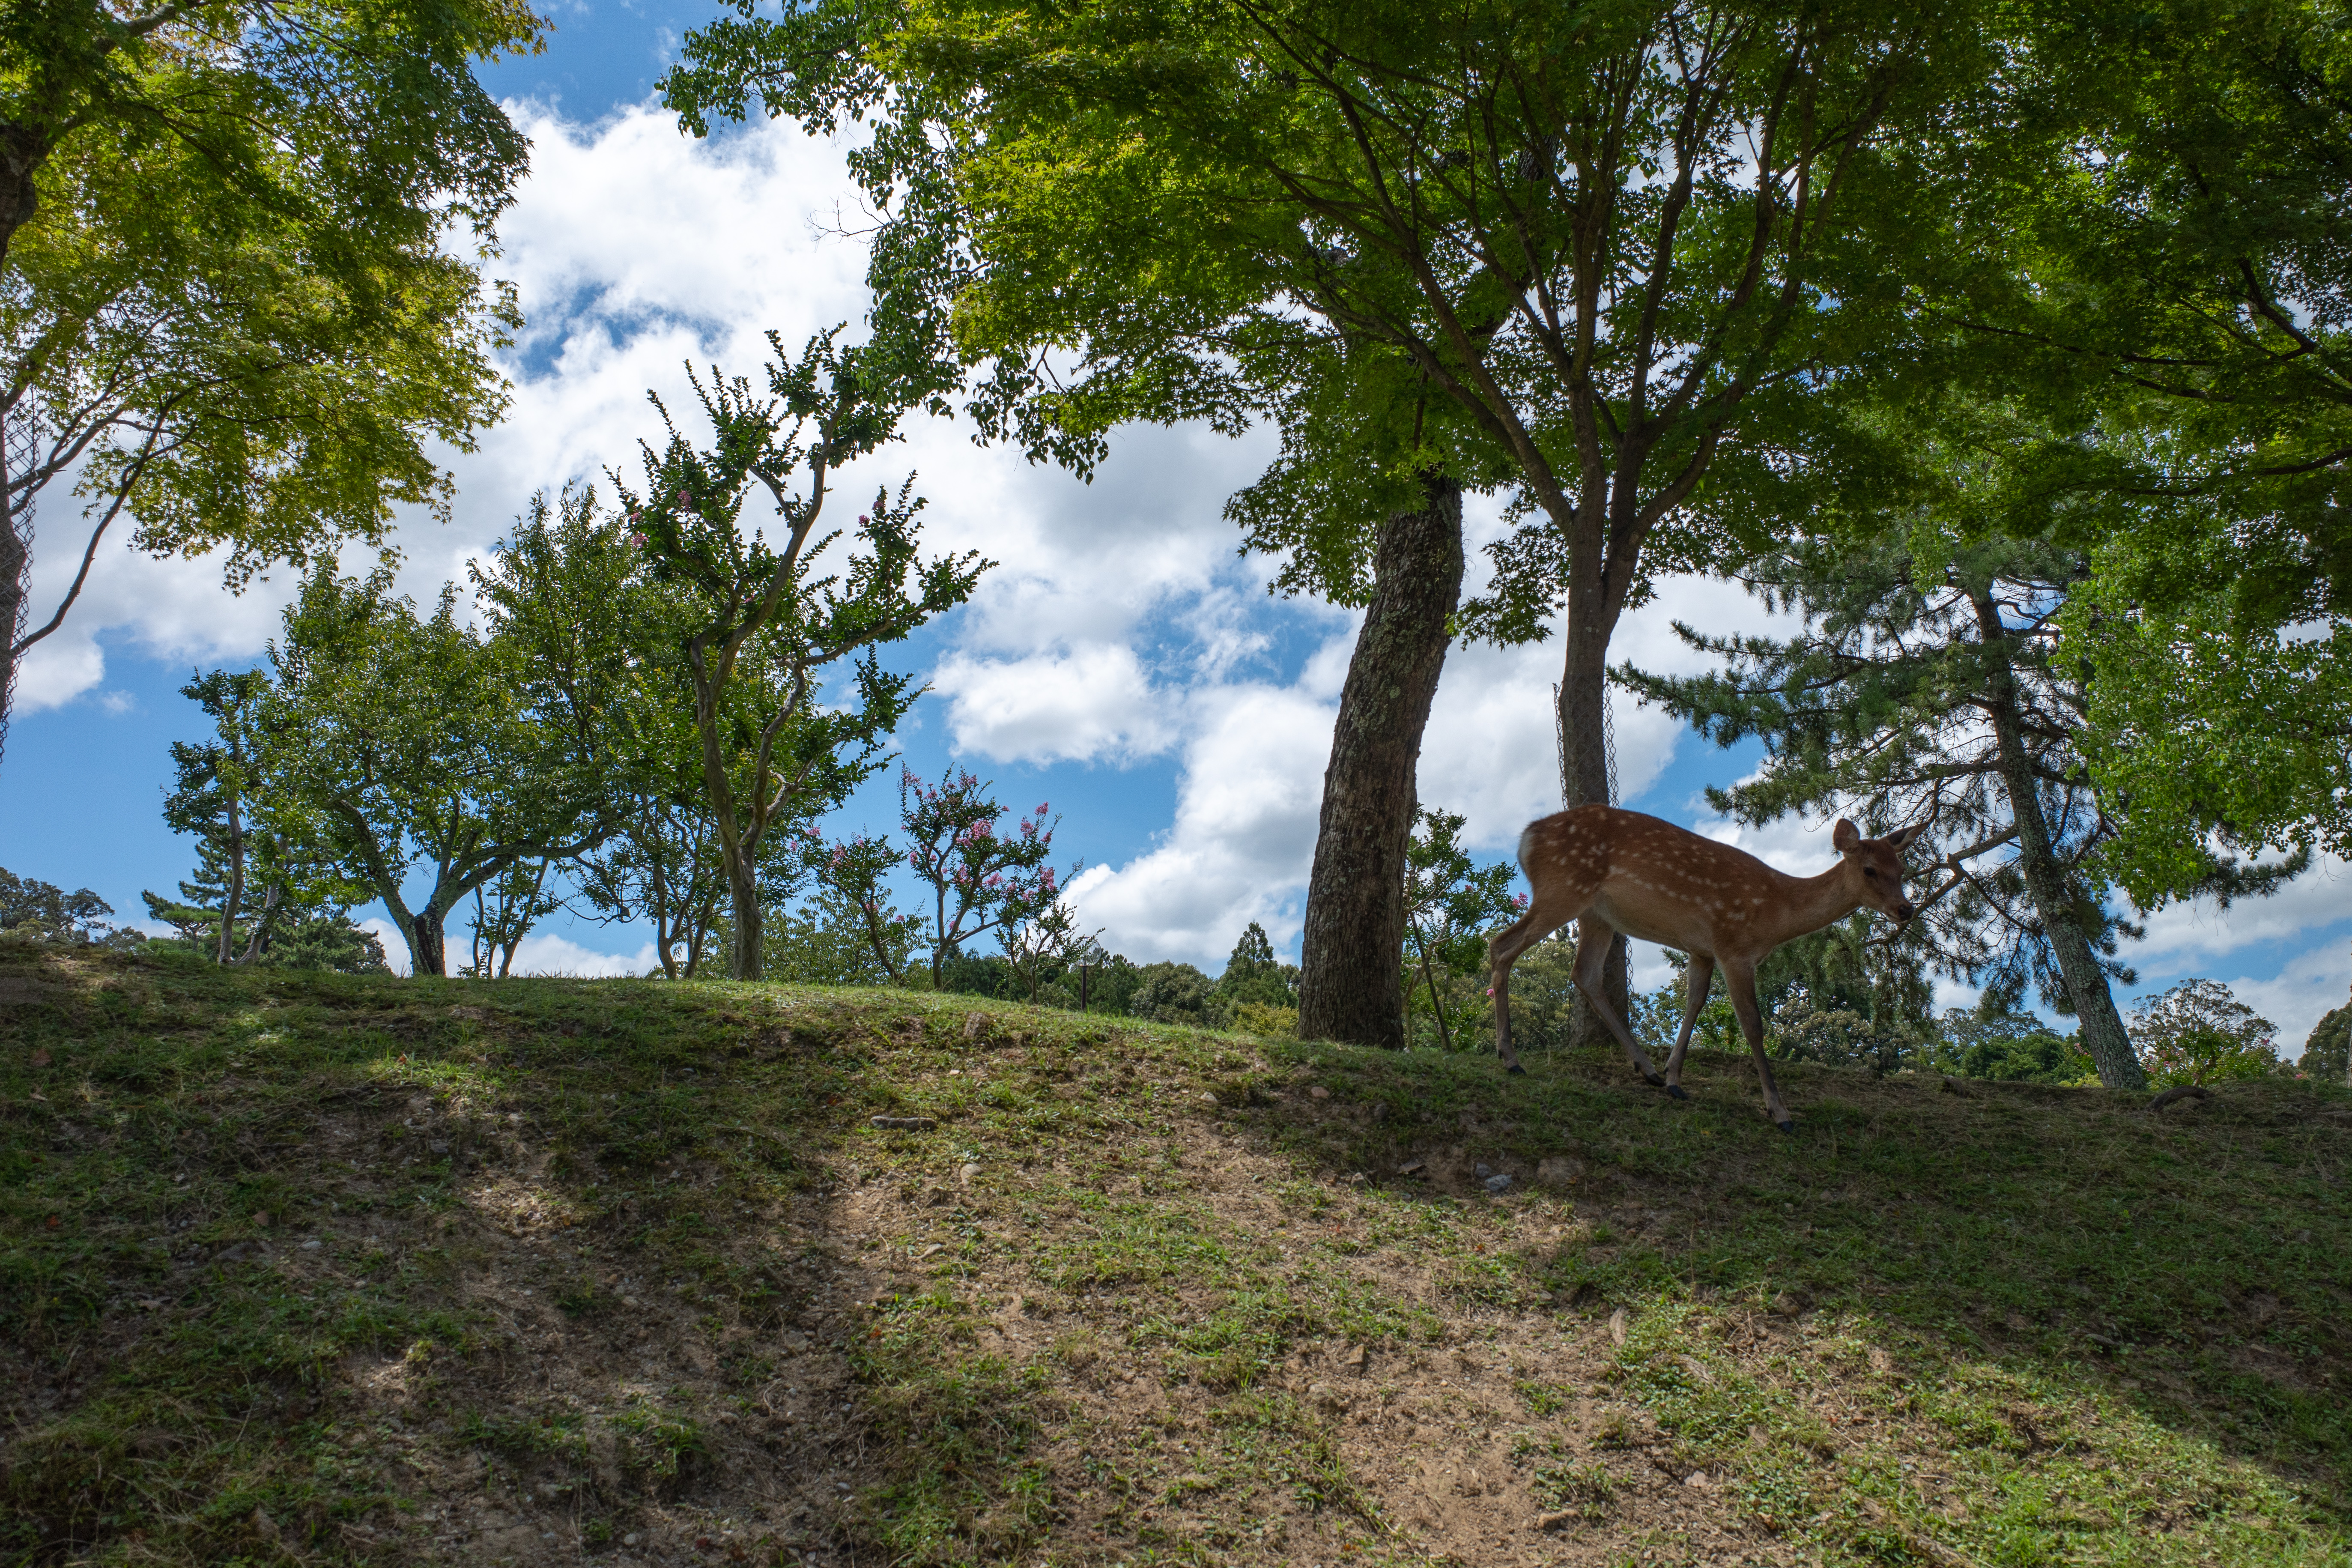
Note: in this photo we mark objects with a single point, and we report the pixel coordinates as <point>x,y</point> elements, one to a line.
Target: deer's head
<point>1875,865</point>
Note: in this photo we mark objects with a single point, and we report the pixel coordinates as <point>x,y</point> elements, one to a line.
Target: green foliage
<point>235,287</point>
<point>825,940</point>
<point>1168,993</point>
<point>35,910</point>
<point>1451,903</point>
<point>2198,1033</point>
<point>2327,1053</point>
<point>414,741</point>
<point>761,628</point>
<point>852,875</point>
<point>2007,1047</point>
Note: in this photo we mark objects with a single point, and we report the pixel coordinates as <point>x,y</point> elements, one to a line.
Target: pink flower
<point>1041,809</point>
<point>862,517</point>
<point>637,540</point>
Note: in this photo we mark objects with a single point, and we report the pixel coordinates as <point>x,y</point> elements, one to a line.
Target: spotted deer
<point>1612,870</point>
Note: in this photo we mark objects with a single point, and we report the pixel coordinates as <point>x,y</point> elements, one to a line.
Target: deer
<point>1613,870</point>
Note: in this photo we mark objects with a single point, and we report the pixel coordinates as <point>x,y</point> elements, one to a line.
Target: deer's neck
<point>1809,903</point>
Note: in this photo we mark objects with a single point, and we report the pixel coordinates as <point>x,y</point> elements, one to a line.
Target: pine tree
<point>1925,686</point>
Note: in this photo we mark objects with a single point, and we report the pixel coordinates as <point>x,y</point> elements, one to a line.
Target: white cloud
<point>1242,838</point>
<point>2304,990</point>
<point>2181,935</point>
<point>539,955</point>
<point>395,946</point>
<point>1092,704</point>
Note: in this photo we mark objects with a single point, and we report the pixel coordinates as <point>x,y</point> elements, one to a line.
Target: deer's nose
<point>1903,912</point>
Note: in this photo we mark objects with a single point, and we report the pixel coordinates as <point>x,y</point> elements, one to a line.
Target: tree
<point>259,871</point>
<point>2198,1033</point>
<point>662,866</point>
<point>2006,1047</point>
<point>852,872</point>
<point>2327,1053</point>
<point>979,880</point>
<point>1560,252</point>
<point>505,908</point>
<point>417,741</point>
<point>1046,944</point>
<point>764,612</point>
<point>1926,687</point>
<point>1451,903</point>
<point>2157,207</point>
<point>227,302</point>
<point>35,910</point>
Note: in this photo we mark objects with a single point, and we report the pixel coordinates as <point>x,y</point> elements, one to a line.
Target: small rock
<point>1413,1167</point>
<point>312,1245</point>
<point>1617,1326</point>
<point>1356,1359</point>
<point>262,1219</point>
<point>1498,1182</point>
<point>1699,1479</point>
<point>438,1145</point>
<point>1482,1170</point>
<point>1788,1303</point>
<point>965,1172</point>
<point>630,1539</point>
<point>1319,1092</point>
<point>931,1251</point>
<point>973,1024</point>
<point>905,1123</point>
<point>1559,1520</point>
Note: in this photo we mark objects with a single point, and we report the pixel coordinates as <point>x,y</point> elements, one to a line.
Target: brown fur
<point>1610,870</point>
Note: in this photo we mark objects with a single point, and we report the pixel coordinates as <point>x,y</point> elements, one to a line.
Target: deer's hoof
<point>1653,1080</point>
<point>1676,1090</point>
<point>1786,1126</point>
<point>1515,1070</point>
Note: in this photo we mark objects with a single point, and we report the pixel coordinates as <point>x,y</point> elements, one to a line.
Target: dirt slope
<point>306,1268</point>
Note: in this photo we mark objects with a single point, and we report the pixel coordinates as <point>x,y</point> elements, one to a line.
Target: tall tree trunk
<point>2086,985</point>
<point>428,944</point>
<point>743,960</point>
<point>16,580</point>
<point>1585,775</point>
<point>1352,959</point>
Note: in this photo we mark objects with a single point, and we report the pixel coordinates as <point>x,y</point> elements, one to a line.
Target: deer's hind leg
<point>1700,976</point>
<point>1593,937</point>
<point>1547,914</point>
<point>1739,979</point>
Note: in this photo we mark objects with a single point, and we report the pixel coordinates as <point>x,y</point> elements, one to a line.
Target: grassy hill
<point>316,1269</point>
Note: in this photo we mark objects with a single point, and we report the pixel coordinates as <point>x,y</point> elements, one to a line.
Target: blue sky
<point>1122,662</point>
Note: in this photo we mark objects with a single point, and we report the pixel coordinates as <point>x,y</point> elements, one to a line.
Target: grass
<point>323,1269</point>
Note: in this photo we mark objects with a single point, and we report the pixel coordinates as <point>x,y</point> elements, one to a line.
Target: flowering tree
<point>853,871</point>
<point>768,615</point>
<point>1450,901</point>
<point>981,880</point>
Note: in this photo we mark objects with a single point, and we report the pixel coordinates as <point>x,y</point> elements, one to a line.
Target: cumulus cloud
<point>1092,703</point>
<point>1244,834</point>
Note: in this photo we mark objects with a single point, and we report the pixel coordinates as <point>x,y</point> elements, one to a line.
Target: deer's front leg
<point>1593,939</point>
<point>1739,979</point>
<point>1701,976</point>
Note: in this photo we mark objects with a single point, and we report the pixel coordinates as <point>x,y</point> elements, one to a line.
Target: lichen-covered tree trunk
<point>2104,1035</point>
<point>1352,953</point>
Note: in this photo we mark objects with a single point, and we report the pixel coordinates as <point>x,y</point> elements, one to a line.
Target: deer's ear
<point>1845,836</point>
<point>1903,840</point>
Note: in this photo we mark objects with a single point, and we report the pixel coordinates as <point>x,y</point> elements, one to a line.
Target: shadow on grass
<point>2196,1261</point>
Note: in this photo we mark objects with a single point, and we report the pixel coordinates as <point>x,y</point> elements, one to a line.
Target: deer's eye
<point>1870,870</point>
